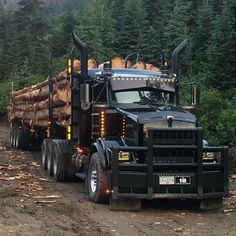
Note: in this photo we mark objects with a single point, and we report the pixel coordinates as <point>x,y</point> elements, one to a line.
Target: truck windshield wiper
<point>150,104</point>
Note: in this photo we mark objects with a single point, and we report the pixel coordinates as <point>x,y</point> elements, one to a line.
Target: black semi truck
<point>129,138</point>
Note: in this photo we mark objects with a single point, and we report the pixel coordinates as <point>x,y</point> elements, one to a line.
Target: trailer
<point>123,131</point>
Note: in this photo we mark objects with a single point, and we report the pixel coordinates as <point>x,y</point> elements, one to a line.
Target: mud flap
<point>211,204</point>
<point>125,204</point>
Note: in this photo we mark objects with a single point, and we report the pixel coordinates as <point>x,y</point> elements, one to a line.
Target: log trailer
<point>128,137</point>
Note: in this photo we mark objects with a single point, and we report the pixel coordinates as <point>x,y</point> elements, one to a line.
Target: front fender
<point>103,147</point>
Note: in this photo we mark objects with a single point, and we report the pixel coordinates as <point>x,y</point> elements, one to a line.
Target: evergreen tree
<point>202,35</point>
<point>133,35</point>
<point>31,35</point>
<point>177,28</point>
<point>220,52</point>
<point>95,26</point>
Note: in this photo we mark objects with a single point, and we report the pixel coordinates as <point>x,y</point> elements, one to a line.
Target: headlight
<point>124,156</point>
<point>208,156</point>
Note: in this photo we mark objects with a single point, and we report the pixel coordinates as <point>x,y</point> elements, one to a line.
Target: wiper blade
<point>148,103</point>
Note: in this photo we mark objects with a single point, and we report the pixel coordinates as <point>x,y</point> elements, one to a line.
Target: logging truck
<point>122,130</point>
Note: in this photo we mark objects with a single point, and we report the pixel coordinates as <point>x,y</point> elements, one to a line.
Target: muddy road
<point>33,204</point>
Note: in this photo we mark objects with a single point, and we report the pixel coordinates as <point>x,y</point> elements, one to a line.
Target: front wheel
<point>98,180</point>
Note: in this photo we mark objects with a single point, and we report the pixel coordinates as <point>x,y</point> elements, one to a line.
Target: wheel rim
<point>44,157</point>
<point>11,138</point>
<point>55,162</point>
<point>16,139</point>
<point>49,162</point>
<point>94,180</point>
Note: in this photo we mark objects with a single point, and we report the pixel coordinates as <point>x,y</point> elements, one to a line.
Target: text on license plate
<point>169,180</point>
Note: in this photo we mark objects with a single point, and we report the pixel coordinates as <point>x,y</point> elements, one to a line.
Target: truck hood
<point>145,114</point>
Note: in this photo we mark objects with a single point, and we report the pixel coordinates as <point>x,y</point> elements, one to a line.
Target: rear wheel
<point>44,154</point>
<point>97,181</point>
<point>56,158</point>
<point>12,136</point>
<point>26,139</point>
<point>19,139</point>
<point>50,159</point>
<point>59,171</point>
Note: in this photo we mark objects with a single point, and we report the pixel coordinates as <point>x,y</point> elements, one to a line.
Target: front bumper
<point>145,180</point>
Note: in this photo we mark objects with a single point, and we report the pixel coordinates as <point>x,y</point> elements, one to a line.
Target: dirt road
<point>33,204</point>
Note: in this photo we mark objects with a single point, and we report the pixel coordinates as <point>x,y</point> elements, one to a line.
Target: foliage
<point>218,117</point>
<point>118,27</point>
<point>5,89</point>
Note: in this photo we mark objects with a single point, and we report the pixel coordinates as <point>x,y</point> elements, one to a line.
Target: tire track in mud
<point>22,181</point>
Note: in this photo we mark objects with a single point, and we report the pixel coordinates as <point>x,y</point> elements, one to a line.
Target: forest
<point>34,33</point>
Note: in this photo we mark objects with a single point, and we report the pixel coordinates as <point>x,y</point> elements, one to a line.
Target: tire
<point>59,168</point>
<point>12,136</point>
<point>63,168</point>
<point>50,159</point>
<point>98,180</point>
<point>70,169</point>
<point>44,155</point>
<point>26,139</point>
<point>19,139</point>
<point>16,145</point>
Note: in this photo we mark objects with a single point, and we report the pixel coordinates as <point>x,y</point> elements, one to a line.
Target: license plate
<point>174,180</point>
<point>166,180</point>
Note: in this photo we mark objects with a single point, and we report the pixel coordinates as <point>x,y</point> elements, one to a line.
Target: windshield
<point>143,96</point>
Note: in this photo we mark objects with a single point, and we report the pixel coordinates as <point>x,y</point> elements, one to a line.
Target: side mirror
<point>84,96</point>
<point>195,99</point>
<point>195,95</point>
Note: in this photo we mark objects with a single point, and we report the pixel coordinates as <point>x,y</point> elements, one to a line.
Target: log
<point>92,63</point>
<point>152,67</point>
<point>56,102</point>
<point>42,93</point>
<point>117,62</point>
<point>64,122</point>
<point>139,65</point>
<point>23,107</point>
<point>59,112</point>
<point>31,104</point>
<point>63,88</point>
<point>23,114</point>
<point>64,95</point>
<point>40,123</point>
<point>62,75</point>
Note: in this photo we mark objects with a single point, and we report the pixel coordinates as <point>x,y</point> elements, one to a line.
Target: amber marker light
<point>68,136</point>
<point>69,66</point>
<point>102,125</point>
<point>123,126</point>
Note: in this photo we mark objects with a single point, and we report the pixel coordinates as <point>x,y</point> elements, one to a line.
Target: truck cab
<point>134,140</point>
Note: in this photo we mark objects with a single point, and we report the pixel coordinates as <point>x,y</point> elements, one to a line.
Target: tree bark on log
<point>62,75</point>
<point>31,104</point>
<point>58,113</point>
<point>56,102</point>
<point>24,114</point>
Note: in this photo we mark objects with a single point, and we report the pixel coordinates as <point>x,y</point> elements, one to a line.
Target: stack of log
<point>118,62</point>
<point>31,104</point>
